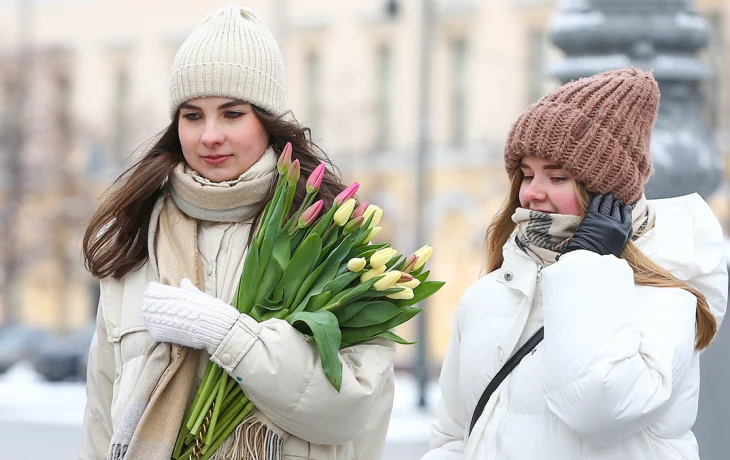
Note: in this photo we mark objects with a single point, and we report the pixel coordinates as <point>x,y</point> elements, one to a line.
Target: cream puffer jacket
<point>617,374</point>
<point>281,371</point>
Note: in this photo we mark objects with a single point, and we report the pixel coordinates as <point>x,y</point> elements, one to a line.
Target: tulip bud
<point>372,273</point>
<point>423,254</point>
<point>404,278</point>
<point>284,162</point>
<point>353,226</point>
<point>348,193</point>
<point>342,215</point>
<point>376,212</point>
<point>356,264</point>
<point>373,233</point>
<point>405,294</point>
<point>309,216</point>
<point>315,179</point>
<point>381,257</point>
<point>412,284</point>
<point>293,174</point>
<point>360,210</point>
<point>410,263</point>
<point>387,281</point>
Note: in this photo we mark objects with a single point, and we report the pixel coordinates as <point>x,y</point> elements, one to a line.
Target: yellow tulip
<point>377,214</point>
<point>372,273</point>
<point>405,294</point>
<point>387,281</point>
<point>382,257</point>
<point>342,215</point>
<point>373,233</point>
<point>356,264</point>
<point>423,254</point>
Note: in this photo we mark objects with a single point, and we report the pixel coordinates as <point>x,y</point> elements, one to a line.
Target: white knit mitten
<point>186,315</point>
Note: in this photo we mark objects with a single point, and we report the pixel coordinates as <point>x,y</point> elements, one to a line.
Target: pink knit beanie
<point>598,128</point>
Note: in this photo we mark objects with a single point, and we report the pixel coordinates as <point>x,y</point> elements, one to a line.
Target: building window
<point>458,91</point>
<point>536,64</point>
<point>385,95</point>
<point>314,91</point>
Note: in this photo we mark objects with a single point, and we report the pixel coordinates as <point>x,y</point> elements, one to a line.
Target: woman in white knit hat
<point>186,210</point>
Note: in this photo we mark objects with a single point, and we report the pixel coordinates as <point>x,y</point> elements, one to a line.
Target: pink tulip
<point>315,179</point>
<point>410,263</point>
<point>309,216</point>
<point>360,210</point>
<point>346,194</point>
<point>405,277</point>
<point>284,159</point>
<point>294,171</point>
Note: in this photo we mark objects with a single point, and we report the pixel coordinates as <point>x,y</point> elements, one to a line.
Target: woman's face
<point>220,137</point>
<point>547,187</point>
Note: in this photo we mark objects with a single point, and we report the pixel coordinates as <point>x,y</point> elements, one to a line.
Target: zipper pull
<point>539,272</point>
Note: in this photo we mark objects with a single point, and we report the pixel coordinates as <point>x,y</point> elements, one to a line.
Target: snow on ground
<point>26,398</point>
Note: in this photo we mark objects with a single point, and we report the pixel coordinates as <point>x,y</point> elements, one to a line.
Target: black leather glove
<point>606,227</point>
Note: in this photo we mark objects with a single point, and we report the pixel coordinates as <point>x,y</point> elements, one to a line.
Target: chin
<point>217,175</point>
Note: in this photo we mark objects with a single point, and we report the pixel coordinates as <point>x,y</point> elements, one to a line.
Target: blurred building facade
<point>96,77</point>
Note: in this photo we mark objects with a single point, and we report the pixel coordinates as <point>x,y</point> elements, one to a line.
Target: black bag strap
<point>504,372</point>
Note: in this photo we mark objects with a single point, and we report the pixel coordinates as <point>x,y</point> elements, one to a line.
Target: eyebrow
<point>227,105</point>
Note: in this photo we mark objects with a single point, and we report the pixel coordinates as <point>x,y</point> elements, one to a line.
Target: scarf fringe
<point>117,452</point>
<point>251,440</point>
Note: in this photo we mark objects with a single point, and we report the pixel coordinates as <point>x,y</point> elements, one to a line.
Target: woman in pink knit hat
<point>583,340</point>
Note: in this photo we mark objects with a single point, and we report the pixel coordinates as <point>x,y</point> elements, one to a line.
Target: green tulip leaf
<point>395,338</point>
<point>326,333</point>
<point>371,314</point>
<point>299,267</point>
<point>423,291</point>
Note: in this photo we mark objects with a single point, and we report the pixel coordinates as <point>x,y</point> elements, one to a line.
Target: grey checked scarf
<point>543,236</point>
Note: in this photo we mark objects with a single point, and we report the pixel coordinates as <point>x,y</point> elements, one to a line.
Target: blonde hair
<point>646,271</point>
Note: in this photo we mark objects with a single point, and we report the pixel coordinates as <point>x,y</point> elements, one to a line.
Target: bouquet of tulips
<point>319,272</point>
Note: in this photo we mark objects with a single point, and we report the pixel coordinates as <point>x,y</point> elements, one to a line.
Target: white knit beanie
<point>231,53</point>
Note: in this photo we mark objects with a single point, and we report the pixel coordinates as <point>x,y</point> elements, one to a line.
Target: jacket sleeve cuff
<point>237,343</point>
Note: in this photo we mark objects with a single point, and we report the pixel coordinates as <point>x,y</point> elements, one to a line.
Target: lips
<point>216,159</point>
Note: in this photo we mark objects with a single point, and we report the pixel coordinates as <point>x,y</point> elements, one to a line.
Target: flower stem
<point>217,408</point>
<point>206,407</point>
<point>232,412</point>
<point>203,393</point>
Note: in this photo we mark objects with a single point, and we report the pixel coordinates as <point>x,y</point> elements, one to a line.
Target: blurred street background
<point>411,98</point>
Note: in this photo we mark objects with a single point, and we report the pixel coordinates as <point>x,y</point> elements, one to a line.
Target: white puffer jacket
<point>617,374</point>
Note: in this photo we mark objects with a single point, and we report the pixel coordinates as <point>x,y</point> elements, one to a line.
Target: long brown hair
<point>646,271</point>
<point>115,241</point>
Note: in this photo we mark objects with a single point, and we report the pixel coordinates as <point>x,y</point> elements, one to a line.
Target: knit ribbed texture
<point>598,128</point>
<point>231,53</point>
<point>187,316</point>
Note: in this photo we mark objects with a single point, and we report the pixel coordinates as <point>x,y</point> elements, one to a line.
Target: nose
<point>535,191</point>
<point>212,136</point>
